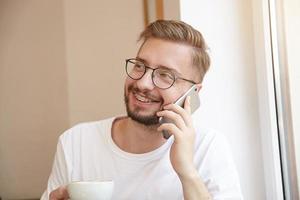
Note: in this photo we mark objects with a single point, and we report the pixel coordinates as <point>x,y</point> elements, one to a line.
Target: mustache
<point>145,93</point>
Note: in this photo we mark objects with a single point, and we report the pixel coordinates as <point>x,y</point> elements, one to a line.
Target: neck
<point>134,137</point>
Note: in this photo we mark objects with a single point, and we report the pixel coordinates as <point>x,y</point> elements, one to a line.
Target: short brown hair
<point>179,31</point>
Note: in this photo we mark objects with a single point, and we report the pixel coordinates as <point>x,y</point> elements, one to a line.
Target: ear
<point>199,86</point>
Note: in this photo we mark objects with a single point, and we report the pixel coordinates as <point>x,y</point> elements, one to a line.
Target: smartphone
<point>194,101</point>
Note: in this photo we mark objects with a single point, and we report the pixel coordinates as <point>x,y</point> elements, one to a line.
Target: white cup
<point>90,190</point>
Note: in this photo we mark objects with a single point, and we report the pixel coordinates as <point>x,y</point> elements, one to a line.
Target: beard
<point>147,120</point>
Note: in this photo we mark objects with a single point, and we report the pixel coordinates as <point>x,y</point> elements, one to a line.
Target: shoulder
<point>207,137</point>
<point>212,147</point>
<point>214,160</point>
<point>87,131</point>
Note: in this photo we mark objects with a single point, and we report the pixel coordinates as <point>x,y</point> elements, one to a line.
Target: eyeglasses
<point>161,78</point>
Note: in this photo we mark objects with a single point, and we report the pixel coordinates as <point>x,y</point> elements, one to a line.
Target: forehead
<point>163,53</point>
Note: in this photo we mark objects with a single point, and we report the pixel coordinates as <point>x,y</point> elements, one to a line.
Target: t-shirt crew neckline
<point>152,155</point>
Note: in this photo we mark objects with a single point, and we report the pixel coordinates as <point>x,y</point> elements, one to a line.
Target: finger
<point>182,112</point>
<point>174,117</point>
<point>60,193</point>
<point>172,129</point>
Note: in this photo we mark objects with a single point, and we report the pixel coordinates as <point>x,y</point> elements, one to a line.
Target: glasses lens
<point>163,78</point>
<point>135,69</point>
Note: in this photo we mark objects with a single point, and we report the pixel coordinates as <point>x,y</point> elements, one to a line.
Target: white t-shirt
<point>87,152</point>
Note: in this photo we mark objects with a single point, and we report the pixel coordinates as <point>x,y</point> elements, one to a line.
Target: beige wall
<point>172,9</point>
<point>33,93</point>
<point>61,62</point>
<point>99,37</point>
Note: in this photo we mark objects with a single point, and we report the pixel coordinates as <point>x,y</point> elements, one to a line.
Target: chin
<point>135,113</point>
<point>147,120</point>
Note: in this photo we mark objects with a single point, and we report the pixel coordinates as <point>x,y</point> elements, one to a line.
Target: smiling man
<point>193,163</point>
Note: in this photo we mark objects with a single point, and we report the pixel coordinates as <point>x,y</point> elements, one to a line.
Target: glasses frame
<point>133,60</point>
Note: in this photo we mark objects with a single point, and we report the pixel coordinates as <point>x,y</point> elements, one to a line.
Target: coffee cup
<point>90,190</point>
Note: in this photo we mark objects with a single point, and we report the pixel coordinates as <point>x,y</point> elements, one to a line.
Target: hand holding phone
<point>194,103</point>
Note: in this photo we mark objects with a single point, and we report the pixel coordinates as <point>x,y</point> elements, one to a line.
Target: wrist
<point>189,175</point>
<point>193,186</point>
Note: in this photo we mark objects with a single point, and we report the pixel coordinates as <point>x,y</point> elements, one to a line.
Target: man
<point>193,163</point>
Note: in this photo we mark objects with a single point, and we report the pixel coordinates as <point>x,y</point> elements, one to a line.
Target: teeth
<point>141,98</point>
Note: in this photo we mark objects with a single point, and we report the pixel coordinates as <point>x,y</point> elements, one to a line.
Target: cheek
<point>128,83</point>
<point>170,96</point>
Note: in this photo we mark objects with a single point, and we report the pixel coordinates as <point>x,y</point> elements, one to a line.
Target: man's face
<point>142,98</point>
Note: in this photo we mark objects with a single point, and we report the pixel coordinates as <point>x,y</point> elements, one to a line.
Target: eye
<point>164,74</point>
<point>139,66</point>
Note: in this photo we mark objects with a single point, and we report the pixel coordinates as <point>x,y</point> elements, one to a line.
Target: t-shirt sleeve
<point>220,174</point>
<point>61,170</point>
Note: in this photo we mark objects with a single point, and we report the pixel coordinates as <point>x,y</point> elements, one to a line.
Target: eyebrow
<point>160,66</point>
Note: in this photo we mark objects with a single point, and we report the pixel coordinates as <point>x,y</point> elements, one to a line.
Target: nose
<point>146,83</point>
